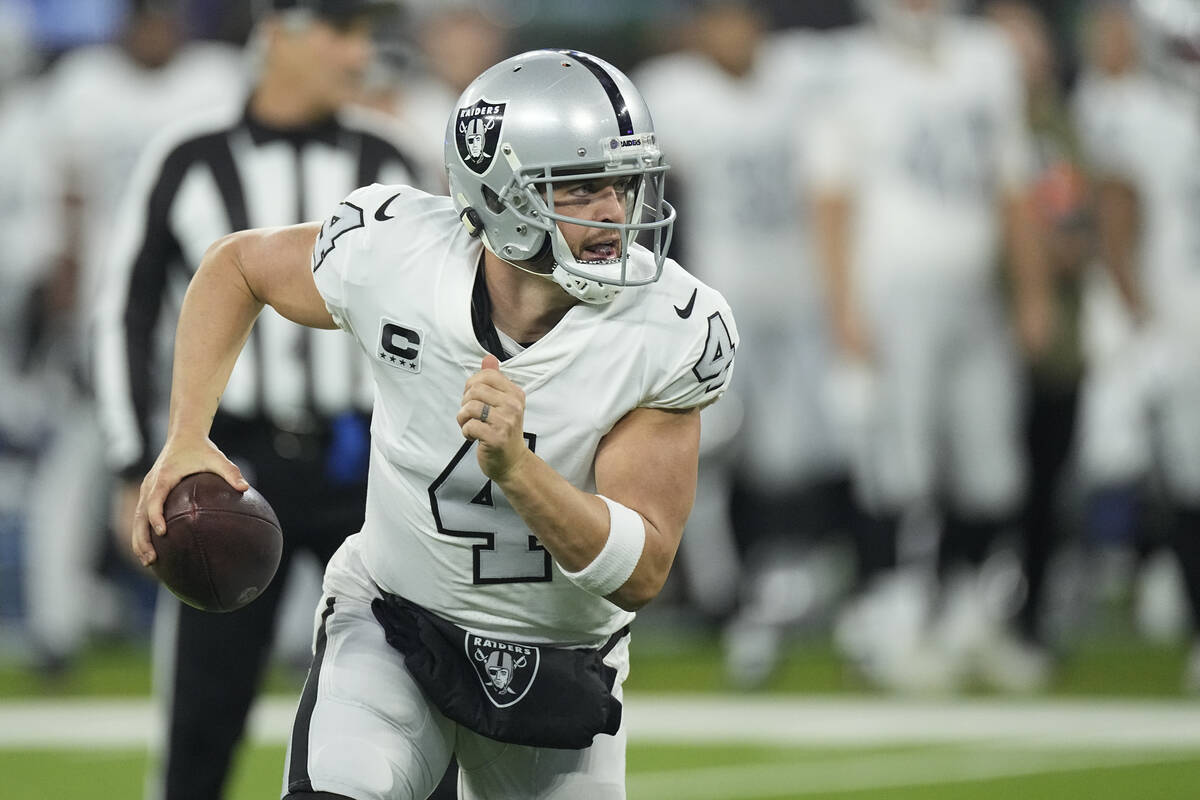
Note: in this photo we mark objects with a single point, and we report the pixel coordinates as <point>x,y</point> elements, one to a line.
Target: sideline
<point>1167,725</point>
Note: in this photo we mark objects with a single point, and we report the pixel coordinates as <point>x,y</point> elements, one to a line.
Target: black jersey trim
<point>481,316</point>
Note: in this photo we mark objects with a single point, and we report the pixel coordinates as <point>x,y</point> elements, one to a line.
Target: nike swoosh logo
<point>381,214</point>
<point>686,311</point>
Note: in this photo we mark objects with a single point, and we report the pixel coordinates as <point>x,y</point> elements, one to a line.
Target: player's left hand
<point>500,429</point>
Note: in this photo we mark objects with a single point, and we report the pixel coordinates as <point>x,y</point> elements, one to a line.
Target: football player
<point>733,109</point>
<point>535,438</point>
<point>103,104</point>
<point>921,171</point>
<point>28,218</point>
<point>1020,661</point>
<point>1142,413</point>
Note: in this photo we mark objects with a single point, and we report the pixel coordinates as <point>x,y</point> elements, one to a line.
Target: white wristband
<point>615,563</point>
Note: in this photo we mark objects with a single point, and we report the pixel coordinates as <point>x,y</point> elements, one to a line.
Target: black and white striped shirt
<point>209,178</point>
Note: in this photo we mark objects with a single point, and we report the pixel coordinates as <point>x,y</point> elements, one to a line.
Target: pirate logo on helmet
<point>505,669</point>
<point>477,132</point>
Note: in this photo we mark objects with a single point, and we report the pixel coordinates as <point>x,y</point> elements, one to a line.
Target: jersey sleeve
<point>706,368</point>
<point>343,235</point>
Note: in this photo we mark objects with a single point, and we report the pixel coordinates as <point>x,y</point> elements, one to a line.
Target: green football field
<point>1114,727</point>
<point>719,772</point>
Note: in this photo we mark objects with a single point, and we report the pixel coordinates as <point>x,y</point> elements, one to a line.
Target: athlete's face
<point>598,200</point>
<point>730,34</point>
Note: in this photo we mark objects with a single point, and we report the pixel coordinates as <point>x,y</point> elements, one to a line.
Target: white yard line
<point>759,720</point>
<point>829,721</point>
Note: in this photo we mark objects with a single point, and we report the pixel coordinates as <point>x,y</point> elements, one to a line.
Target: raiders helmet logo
<point>477,132</point>
<point>506,669</point>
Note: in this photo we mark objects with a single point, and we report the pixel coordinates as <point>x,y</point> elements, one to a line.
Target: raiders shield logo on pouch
<point>477,132</point>
<point>505,669</point>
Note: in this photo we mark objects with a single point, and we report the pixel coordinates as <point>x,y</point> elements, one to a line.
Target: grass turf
<point>1110,667</point>
<point>712,772</point>
<point>1125,668</point>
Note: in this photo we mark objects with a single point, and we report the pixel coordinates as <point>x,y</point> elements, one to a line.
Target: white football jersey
<point>397,269</point>
<point>926,147</point>
<point>732,143</point>
<point>29,223</point>
<point>103,110</point>
<point>1137,130</point>
<point>29,212</point>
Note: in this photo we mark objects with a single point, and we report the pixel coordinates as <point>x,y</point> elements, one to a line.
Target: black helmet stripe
<point>624,122</point>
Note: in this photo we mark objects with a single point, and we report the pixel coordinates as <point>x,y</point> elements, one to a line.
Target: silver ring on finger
<point>483,415</point>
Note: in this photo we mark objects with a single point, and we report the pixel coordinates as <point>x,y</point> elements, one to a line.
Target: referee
<point>294,416</point>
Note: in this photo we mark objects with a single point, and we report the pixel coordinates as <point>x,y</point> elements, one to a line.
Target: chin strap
<point>590,292</point>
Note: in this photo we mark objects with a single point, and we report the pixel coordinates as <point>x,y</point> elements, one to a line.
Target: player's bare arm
<point>832,226</point>
<point>238,275</point>
<point>647,462</point>
<point>1031,273</point>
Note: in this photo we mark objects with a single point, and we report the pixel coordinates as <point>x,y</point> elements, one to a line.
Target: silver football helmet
<point>545,118</point>
<point>1170,35</point>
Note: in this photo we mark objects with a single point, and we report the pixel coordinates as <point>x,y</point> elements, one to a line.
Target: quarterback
<point>538,380</point>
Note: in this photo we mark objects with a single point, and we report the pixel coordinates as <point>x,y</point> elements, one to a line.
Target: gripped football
<point>222,546</point>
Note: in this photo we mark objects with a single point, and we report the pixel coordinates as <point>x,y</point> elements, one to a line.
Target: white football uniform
<point>100,111</point>
<point>397,271</point>
<point>1147,135</point>
<point>926,148</point>
<point>733,146</point>
<point>27,217</point>
<point>436,532</point>
<point>103,110</point>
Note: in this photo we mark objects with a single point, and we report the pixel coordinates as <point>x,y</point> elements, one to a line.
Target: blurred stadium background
<point>746,680</point>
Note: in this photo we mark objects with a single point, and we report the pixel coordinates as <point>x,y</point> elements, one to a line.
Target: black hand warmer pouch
<point>525,694</point>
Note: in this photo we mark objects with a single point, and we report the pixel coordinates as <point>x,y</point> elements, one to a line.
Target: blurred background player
<point>27,223</point>
<point>922,171</point>
<point>732,107</point>
<point>295,413</point>
<point>1142,131</point>
<point>1065,229</point>
<point>103,103</point>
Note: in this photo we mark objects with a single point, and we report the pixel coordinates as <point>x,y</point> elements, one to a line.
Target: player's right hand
<point>178,459</point>
<point>501,436</point>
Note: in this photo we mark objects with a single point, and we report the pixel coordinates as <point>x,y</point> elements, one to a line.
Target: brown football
<point>222,546</point>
